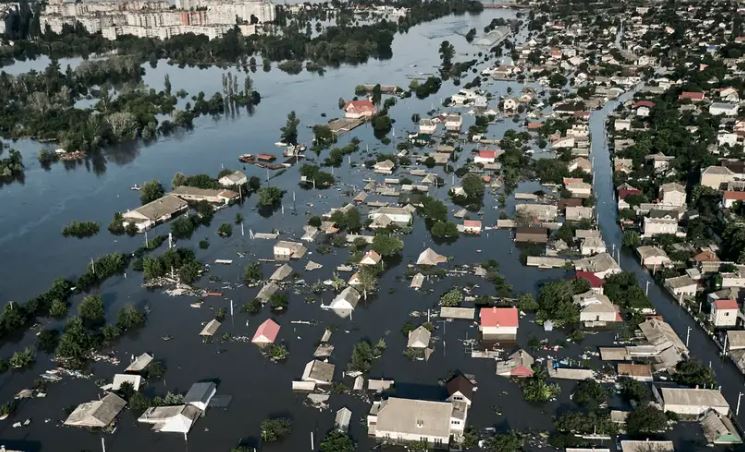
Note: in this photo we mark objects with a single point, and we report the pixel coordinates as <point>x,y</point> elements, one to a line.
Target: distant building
<point>158,18</point>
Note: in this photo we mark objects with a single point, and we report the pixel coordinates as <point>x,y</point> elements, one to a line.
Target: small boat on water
<point>135,187</point>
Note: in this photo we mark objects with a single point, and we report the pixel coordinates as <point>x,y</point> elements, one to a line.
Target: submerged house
<point>596,309</point>
<point>171,419</point>
<point>359,109</point>
<point>430,257</point>
<point>319,372</point>
<point>518,365</point>
<point>529,234</point>
<point>460,389</point>
<point>718,429</point>
<point>97,414</point>
<point>409,420</point>
<point>281,273</point>
<point>200,394</point>
<point>289,250</point>
<point>154,212</point>
<point>499,323</point>
<point>419,338</point>
<point>344,303</point>
<point>690,401</point>
<point>211,195</point>
<point>266,333</point>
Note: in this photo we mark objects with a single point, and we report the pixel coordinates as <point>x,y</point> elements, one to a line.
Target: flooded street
<point>34,253</point>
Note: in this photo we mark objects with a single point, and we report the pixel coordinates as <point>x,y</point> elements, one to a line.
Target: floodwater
<point>34,253</point>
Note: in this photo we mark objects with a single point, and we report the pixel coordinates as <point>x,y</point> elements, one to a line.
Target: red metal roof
<point>736,195</point>
<point>626,192</point>
<point>725,304</point>
<point>692,95</point>
<point>522,372</point>
<point>488,154</point>
<point>590,277</point>
<point>267,331</point>
<point>472,223</point>
<point>498,316</point>
<point>360,105</point>
<point>644,103</point>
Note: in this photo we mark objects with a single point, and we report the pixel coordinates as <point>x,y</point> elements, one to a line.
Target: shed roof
<point>210,328</point>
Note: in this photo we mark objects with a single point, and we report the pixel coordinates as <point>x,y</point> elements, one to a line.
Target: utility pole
<point>688,335</point>
<point>724,347</point>
<point>737,410</point>
<point>646,290</point>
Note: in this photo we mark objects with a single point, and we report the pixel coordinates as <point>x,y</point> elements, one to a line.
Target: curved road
<point>700,345</point>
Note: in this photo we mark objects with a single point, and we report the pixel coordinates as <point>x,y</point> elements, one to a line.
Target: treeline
<point>42,105</point>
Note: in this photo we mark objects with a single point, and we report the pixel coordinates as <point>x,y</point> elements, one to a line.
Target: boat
<point>247,158</point>
<point>135,187</point>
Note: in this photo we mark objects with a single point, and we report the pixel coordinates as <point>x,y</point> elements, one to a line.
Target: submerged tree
<point>289,130</point>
